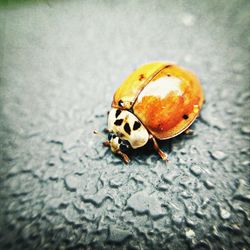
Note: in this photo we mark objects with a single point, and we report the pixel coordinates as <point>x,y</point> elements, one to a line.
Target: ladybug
<point>157,101</point>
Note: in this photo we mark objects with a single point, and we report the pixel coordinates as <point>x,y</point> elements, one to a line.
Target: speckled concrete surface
<point>60,62</point>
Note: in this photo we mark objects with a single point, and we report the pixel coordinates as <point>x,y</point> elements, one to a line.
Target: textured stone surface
<point>60,62</point>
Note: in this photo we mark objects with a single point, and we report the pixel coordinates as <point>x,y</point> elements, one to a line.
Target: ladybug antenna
<point>105,143</point>
<point>99,134</point>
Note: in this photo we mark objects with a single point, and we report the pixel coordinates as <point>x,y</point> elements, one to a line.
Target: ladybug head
<point>117,144</point>
<point>125,132</point>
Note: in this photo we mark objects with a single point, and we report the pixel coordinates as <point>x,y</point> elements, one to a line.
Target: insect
<point>157,101</point>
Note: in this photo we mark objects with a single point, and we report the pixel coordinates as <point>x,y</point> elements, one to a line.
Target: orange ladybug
<point>159,100</point>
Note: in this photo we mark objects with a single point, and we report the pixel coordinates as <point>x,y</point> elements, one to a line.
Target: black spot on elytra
<point>136,125</point>
<point>118,122</point>
<point>127,128</point>
<point>117,113</point>
<point>185,117</point>
<point>119,141</point>
<point>141,77</point>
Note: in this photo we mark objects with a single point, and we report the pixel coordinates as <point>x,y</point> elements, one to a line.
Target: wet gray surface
<point>60,63</point>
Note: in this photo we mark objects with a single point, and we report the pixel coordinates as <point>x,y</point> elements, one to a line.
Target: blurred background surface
<point>60,63</point>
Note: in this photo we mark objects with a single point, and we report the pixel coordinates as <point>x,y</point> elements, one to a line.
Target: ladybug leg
<point>124,156</point>
<point>163,155</point>
<point>189,131</point>
<point>106,130</point>
<point>106,143</point>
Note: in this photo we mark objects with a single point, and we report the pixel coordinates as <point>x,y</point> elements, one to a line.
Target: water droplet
<point>224,214</point>
<point>242,97</point>
<point>162,187</point>
<point>218,155</point>
<point>188,19</point>
<point>72,182</point>
<point>208,184</point>
<point>118,235</point>
<point>245,130</point>
<point>142,202</point>
<point>190,233</point>
<point>196,170</point>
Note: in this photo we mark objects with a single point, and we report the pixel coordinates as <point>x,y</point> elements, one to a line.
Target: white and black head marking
<point>126,131</point>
